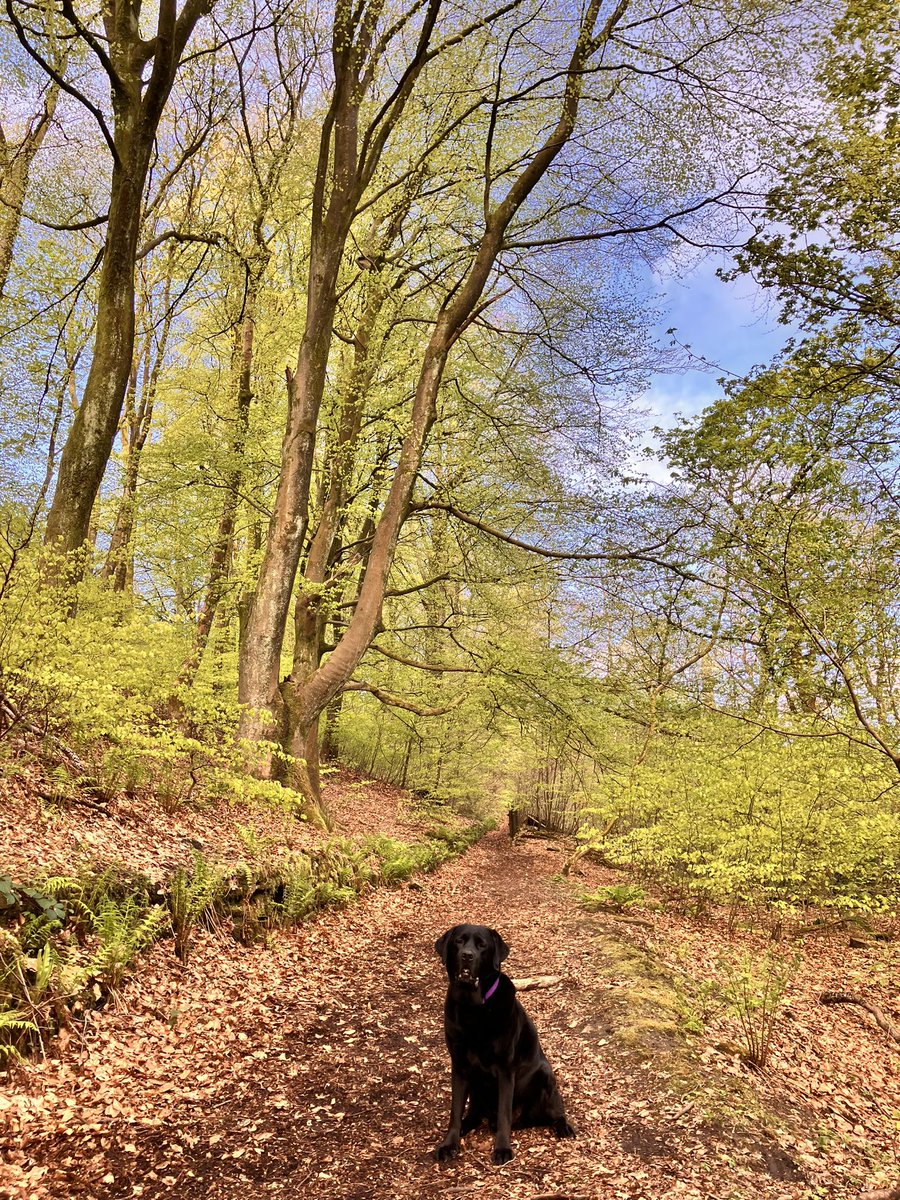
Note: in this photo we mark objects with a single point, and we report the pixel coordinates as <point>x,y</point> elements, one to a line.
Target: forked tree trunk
<point>305,699</point>
<point>120,551</point>
<point>344,168</point>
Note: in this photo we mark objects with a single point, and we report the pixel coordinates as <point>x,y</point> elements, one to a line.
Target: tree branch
<point>357,685</point>
<point>642,554</point>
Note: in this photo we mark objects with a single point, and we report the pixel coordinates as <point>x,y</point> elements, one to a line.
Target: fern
<point>192,898</point>
<point>13,1028</point>
<point>124,930</point>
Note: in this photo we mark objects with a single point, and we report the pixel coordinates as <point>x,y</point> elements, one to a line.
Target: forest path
<point>316,1067</point>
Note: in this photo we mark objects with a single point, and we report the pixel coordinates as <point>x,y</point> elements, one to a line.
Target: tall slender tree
<point>139,73</point>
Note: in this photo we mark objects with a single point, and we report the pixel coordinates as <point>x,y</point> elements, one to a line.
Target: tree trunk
<point>260,650</point>
<point>329,747</point>
<point>120,539</point>
<point>92,434</point>
<point>311,603</point>
<point>15,168</point>
<point>242,365</point>
<point>119,563</point>
<point>139,98</point>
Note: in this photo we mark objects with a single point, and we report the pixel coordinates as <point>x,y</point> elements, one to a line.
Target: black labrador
<point>496,1057</point>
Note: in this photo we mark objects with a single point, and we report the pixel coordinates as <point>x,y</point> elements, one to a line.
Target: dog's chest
<point>482,1041</point>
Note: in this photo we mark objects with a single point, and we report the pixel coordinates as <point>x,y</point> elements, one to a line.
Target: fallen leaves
<point>320,1057</point>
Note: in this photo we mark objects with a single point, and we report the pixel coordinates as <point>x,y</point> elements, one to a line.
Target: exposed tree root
<point>883,1022</point>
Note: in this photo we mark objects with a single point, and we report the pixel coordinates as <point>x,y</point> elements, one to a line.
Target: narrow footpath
<point>315,1067</point>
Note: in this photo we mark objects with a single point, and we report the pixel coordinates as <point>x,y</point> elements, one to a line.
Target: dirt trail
<point>317,1069</point>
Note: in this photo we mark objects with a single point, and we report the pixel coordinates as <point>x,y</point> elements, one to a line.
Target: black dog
<point>496,1057</point>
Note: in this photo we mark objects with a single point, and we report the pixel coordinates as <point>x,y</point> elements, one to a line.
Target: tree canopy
<point>323,332</point>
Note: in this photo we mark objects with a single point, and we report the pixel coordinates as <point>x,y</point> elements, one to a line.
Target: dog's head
<point>472,954</point>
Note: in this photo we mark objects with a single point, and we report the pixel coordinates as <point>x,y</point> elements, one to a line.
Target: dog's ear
<point>501,950</point>
<point>440,946</point>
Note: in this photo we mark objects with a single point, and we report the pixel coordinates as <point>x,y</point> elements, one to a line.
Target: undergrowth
<point>778,824</point>
<point>68,942</point>
<point>94,687</point>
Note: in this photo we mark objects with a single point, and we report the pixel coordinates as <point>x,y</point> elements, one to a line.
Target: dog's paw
<point>564,1129</point>
<point>445,1151</point>
<point>501,1155</point>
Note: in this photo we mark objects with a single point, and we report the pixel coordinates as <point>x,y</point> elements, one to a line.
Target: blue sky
<point>732,326</point>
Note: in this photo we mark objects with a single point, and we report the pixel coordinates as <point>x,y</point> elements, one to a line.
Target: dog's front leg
<point>502,1145</point>
<point>459,1090</point>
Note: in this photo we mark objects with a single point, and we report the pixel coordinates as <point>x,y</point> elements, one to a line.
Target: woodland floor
<point>315,1066</point>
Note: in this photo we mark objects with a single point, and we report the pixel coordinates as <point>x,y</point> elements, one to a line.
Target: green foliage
<point>37,913</point>
<point>778,820</point>
<point>104,680</point>
<point>397,861</point>
<point>192,899</point>
<point>66,942</point>
<point>37,992</point>
<point>839,183</point>
<point>752,987</point>
<point>13,1029</point>
<point>123,930</point>
<point>616,898</point>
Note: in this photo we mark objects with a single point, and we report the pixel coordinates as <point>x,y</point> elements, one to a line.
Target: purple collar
<point>491,990</point>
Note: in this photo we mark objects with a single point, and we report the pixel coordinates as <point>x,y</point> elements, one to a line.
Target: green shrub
<point>784,822</point>
<point>102,678</point>
<point>753,987</point>
<point>616,898</point>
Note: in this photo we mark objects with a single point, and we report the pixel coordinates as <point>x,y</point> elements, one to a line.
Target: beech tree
<point>347,161</point>
<point>139,72</point>
<point>607,44</point>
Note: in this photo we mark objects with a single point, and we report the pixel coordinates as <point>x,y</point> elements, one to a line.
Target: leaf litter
<point>315,1065</point>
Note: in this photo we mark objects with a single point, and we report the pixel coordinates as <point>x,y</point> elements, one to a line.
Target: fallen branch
<point>827,926</point>
<point>882,1194</point>
<point>537,981</point>
<point>68,798</point>
<point>849,998</point>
